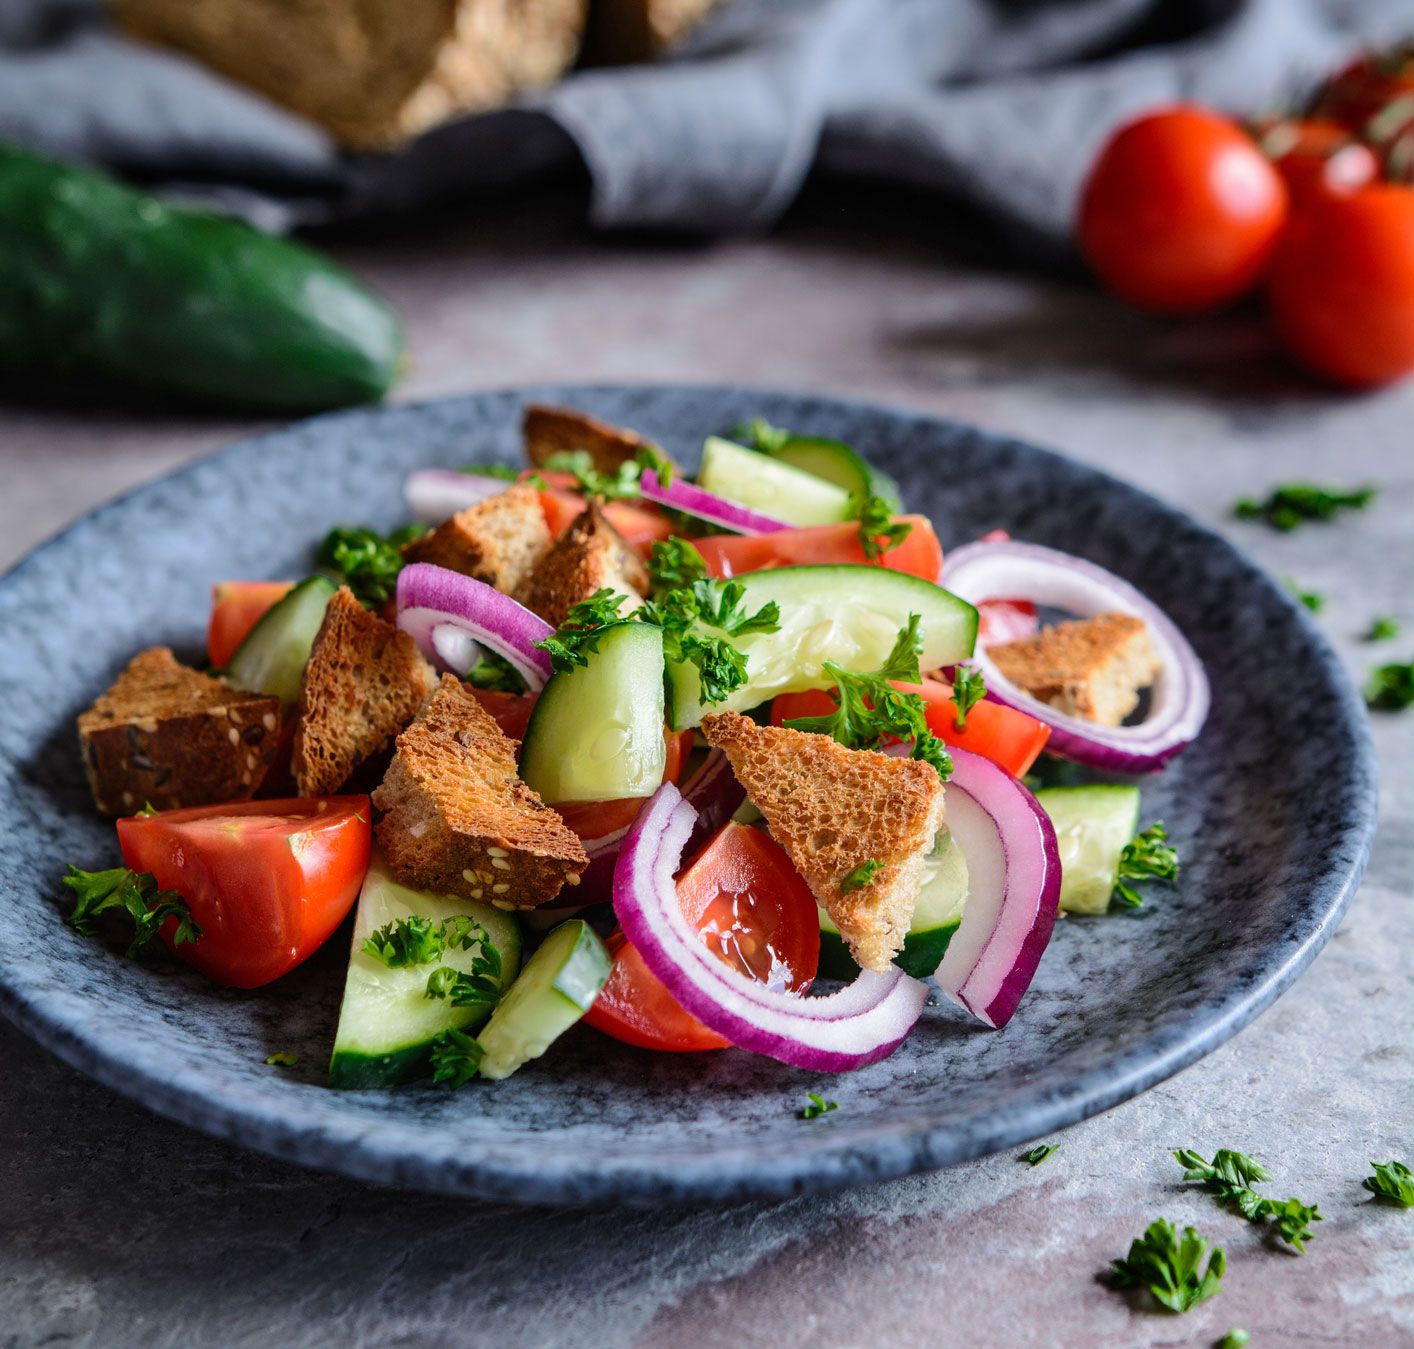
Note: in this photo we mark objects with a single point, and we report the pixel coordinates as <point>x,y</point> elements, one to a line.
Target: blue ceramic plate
<point>1272,811</point>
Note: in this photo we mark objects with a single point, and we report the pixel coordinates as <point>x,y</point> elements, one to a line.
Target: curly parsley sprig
<point>968,689</point>
<point>456,1058</point>
<point>674,564</point>
<point>1170,1266</point>
<point>879,532</point>
<point>135,893</point>
<point>1232,1176</point>
<point>367,561</point>
<point>418,940</point>
<point>1146,857</point>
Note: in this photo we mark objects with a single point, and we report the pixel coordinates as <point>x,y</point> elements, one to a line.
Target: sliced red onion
<point>862,1023</point>
<point>1180,696</point>
<point>437,494</point>
<point>1014,875</point>
<point>433,600</point>
<point>697,501</point>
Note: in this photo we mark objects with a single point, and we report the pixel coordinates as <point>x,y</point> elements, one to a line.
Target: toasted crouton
<point>363,683</point>
<point>1091,668</point>
<point>457,818</point>
<point>170,736</point>
<point>589,555</point>
<point>499,540</point>
<point>552,430</point>
<point>833,809</point>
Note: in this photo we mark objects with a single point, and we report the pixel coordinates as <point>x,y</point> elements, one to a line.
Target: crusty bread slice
<point>458,820</point>
<point>363,683</point>
<point>621,31</point>
<point>1091,668</point>
<point>170,736</point>
<point>589,555</point>
<point>374,72</point>
<point>551,430</point>
<point>499,540</point>
<point>833,809</point>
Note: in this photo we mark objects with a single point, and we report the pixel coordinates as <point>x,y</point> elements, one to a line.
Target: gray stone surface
<point>123,1229</point>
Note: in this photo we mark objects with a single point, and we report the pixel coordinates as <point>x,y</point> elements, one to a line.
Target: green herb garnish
<point>616,486</point>
<point>1308,599</point>
<point>863,875</point>
<point>570,644</point>
<point>1040,1152</point>
<point>478,987</point>
<point>417,940</point>
<point>674,564</point>
<point>495,674</point>
<point>1393,1182</point>
<point>1288,507</point>
<point>1146,857</point>
<point>282,1059</point>
<point>136,893</point>
<point>1231,1176</point>
<point>367,561</point>
<point>502,471</point>
<point>1391,687</point>
<point>759,434</point>
<point>879,532</point>
<point>817,1105</point>
<point>871,710</point>
<point>968,689</point>
<point>456,1057</point>
<point>721,667</point>
<point>652,460</point>
<point>1234,1339</point>
<point>1169,1267</point>
<point>1382,629</point>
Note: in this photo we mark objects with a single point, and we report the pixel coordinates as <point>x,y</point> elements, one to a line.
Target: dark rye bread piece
<point>498,541</point>
<point>833,809</point>
<point>458,820</point>
<point>590,555</point>
<point>169,736</point>
<point>364,682</point>
<point>553,430</point>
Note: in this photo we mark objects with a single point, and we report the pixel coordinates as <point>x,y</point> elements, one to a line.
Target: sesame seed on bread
<point>169,736</point>
<point>1092,668</point>
<point>499,540</point>
<point>458,820</point>
<point>363,683</point>
<point>554,430</point>
<point>589,555</point>
<point>833,809</point>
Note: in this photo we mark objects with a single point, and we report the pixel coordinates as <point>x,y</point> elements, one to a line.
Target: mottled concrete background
<point>117,1228</point>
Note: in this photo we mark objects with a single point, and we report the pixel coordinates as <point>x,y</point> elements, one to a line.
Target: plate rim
<point>360,1150</point>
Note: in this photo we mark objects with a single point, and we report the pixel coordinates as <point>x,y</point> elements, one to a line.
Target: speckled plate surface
<point>1272,811</point>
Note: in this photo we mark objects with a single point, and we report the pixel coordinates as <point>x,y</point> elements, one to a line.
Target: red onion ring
<point>437,494</point>
<point>697,501</point>
<point>430,598</point>
<point>1180,699</point>
<point>862,1023</point>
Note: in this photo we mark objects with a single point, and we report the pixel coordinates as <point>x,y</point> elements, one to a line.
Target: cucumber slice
<point>770,485</point>
<point>848,614</point>
<point>1092,826</point>
<point>596,733</point>
<point>275,651</point>
<point>387,1022</point>
<point>936,916</point>
<point>836,462</point>
<point>558,985</point>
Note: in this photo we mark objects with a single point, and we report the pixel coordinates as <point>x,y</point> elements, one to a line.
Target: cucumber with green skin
<point>102,284</point>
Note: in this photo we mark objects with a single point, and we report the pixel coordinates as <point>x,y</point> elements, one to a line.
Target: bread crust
<point>169,736</point>
<point>499,541</point>
<point>549,430</point>
<point>590,555</point>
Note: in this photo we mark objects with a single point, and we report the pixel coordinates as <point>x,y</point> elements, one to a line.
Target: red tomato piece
<point>1342,286</point>
<point>920,553</point>
<point>236,607</point>
<point>267,880</point>
<point>510,711</point>
<point>595,819</point>
<point>754,912</point>
<point>1317,158</point>
<point>1009,738</point>
<point>640,523</point>
<point>1181,211</point>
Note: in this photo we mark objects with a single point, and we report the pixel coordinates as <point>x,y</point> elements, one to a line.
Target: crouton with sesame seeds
<point>553,430</point>
<point>833,810</point>
<point>500,540</point>
<point>458,820</point>
<point>1092,668</point>
<point>169,736</point>
<point>363,683</point>
<point>590,555</point>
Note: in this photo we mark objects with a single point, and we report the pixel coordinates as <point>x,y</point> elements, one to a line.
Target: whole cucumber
<point>99,283</point>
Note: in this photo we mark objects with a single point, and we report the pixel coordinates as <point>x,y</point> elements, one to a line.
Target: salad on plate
<point>733,760</point>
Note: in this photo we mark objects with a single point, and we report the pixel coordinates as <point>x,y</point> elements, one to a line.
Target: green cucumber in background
<point>100,284</point>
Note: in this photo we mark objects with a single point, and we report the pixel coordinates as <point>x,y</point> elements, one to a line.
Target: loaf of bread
<point>374,72</point>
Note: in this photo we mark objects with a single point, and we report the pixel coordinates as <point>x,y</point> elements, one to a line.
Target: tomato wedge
<point>267,880</point>
<point>511,711</point>
<point>1009,738</point>
<point>920,554</point>
<point>236,607</point>
<point>753,911</point>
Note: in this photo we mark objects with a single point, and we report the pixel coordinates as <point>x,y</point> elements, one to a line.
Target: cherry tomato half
<point>920,553</point>
<point>267,880</point>
<point>754,912</point>
<point>236,607</point>
<point>1342,286</point>
<point>1181,211</point>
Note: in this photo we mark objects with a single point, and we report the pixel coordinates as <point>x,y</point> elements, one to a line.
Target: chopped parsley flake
<point>1391,687</point>
<point>456,1057</point>
<point>1232,1176</point>
<point>1288,507</point>
<point>862,876</point>
<point>969,688</point>
<point>282,1059</point>
<point>817,1105</point>
<point>1040,1152</point>
<point>1146,857</point>
<point>1393,1183</point>
<point>1170,1268</point>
